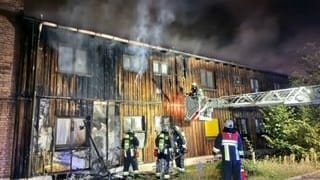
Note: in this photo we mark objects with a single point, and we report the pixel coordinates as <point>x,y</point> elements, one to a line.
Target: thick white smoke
<point>152,19</point>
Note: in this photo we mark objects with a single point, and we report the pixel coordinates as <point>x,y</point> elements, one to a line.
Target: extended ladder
<point>203,106</point>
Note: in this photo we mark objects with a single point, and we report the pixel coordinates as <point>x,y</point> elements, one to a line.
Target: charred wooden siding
<point>143,93</point>
<point>99,83</point>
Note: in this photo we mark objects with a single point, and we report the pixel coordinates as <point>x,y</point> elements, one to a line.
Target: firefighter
<point>229,143</point>
<point>195,91</point>
<point>163,152</point>
<point>130,144</point>
<point>180,147</point>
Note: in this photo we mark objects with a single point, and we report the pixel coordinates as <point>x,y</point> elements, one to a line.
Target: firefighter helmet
<point>165,129</point>
<point>194,85</point>
<point>229,123</point>
<point>129,130</point>
<point>176,128</point>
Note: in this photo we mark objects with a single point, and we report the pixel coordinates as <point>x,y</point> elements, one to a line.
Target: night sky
<point>264,34</point>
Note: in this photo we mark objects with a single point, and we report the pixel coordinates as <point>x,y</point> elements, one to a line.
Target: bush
<point>292,130</point>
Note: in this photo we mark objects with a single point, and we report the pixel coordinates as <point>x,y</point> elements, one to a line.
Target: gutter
<point>34,102</point>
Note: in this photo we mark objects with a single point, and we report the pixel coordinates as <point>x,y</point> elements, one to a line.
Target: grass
<point>276,169</point>
<point>266,169</point>
<point>260,170</point>
<point>203,171</point>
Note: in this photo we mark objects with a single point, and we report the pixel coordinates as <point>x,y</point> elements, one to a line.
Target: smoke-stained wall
<point>79,76</point>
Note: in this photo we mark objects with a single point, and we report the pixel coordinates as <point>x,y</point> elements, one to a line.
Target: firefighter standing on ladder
<point>229,143</point>
<point>163,152</point>
<point>130,144</point>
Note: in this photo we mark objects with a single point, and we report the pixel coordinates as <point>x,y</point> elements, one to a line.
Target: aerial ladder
<point>202,107</point>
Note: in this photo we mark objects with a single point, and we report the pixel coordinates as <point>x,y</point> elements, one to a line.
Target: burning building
<point>62,87</point>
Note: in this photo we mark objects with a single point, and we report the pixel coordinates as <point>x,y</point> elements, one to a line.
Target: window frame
<point>260,126</point>
<point>243,128</point>
<point>254,85</point>
<point>68,145</point>
<point>276,85</point>
<point>133,60</point>
<point>138,126</point>
<point>160,65</point>
<point>73,60</point>
<point>204,73</point>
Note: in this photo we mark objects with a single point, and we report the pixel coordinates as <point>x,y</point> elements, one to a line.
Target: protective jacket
<point>180,148</point>
<point>163,143</point>
<point>180,141</point>
<point>229,143</point>
<point>130,144</point>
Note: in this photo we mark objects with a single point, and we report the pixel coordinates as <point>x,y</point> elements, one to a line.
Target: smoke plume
<point>263,34</point>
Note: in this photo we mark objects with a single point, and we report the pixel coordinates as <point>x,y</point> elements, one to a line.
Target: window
<point>135,63</point>
<point>276,86</point>
<point>69,160</point>
<point>73,61</point>
<point>207,79</point>
<point>136,124</point>
<point>237,80</point>
<point>260,128</point>
<point>254,85</point>
<point>242,126</point>
<point>70,133</point>
<point>160,68</point>
<point>162,122</point>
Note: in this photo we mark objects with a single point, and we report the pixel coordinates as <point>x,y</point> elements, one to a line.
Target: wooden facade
<point>48,93</point>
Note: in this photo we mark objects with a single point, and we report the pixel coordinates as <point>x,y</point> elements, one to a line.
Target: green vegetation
<point>293,130</point>
<point>205,171</point>
<point>269,168</point>
<point>279,168</point>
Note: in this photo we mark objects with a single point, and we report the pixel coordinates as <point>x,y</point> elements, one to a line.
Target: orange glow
<point>176,108</point>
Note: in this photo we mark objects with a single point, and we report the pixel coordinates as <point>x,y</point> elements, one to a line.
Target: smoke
<point>264,34</point>
<point>152,19</point>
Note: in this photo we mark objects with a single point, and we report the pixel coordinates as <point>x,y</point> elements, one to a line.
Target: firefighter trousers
<point>179,160</point>
<point>130,160</point>
<point>163,164</point>
<point>231,170</point>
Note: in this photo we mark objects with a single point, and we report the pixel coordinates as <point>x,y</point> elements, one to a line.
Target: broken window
<point>73,61</point>
<point>135,63</point>
<point>70,133</point>
<point>208,79</point>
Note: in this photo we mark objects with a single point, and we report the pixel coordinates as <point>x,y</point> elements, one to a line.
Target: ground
<point>309,176</point>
